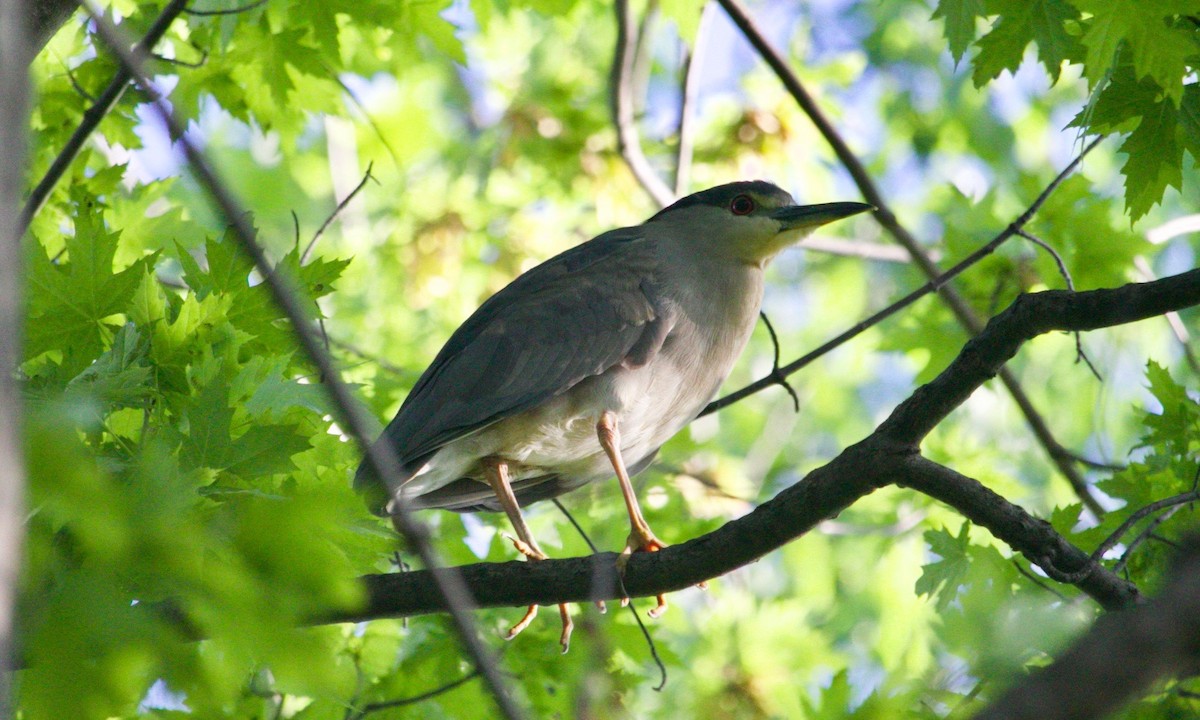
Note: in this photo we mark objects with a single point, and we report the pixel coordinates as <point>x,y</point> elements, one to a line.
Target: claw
<point>641,540</point>
<point>567,626</point>
<point>523,623</point>
<point>525,548</point>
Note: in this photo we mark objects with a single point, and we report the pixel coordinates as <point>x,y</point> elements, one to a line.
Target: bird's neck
<point>718,293</point>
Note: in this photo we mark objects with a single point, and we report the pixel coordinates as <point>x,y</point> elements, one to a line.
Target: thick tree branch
<point>888,456</point>
<point>1029,316</point>
<point>1033,538</point>
<point>887,218</point>
<point>1120,657</point>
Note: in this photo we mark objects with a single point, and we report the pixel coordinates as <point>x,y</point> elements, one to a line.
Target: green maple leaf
<point>209,443</point>
<point>120,376</point>
<point>1155,159</point>
<point>1144,29</point>
<point>942,577</point>
<point>1189,119</point>
<point>71,301</point>
<point>959,17</point>
<point>1043,21</point>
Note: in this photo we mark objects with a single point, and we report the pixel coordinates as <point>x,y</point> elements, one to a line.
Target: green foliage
<point>1137,56</point>
<point>187,479</point>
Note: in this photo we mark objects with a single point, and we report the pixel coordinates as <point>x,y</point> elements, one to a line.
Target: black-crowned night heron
<point>585,365</point>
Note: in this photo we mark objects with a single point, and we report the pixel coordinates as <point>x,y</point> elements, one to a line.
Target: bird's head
<point>749,222</point>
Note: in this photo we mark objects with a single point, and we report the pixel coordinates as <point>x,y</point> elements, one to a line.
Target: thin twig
<point>1178,329</point>
<point>75,83</point>
<point>621,100</point>
<point>93,115</point>
<point>686,129</point>
<point>961,309</point>
<point>1147,533</point>
<point>1062,266</point>
<point>379,456</point>
<point>1111,541</point>
<point>879,252</point>
<point>336,211</point>
<point>1080,355</point>
<point>183,63</point>
<point>1094,464</point>
<point>643,59</point>
<point>362,109</point>
<point>776,374</point>
<point>662,668</point>
<point>401,702</point>
<point>367,357</point>
<point>1036,580</point>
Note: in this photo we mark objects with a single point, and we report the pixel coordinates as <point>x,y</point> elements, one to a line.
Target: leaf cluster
<point>1139,60</point>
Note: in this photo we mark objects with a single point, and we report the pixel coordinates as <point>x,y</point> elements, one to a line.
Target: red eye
<point>741,205</point>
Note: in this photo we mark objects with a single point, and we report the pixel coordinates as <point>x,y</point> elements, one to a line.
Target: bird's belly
<point>559,436</point>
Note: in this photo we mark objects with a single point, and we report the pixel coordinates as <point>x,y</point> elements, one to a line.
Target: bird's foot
<point>525,548</point>
<point>568,626</point>
<point>641,539</point>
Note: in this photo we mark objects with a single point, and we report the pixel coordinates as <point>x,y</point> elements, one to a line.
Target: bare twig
<point>687,102</point>
<point>83,93</point>
<point>183,63</point>
<point>1062,266</point>
<point>350,415</point>
<point>401,702</point>
<point>662,668</point>
<point>643,59</point>
<point>93,115</point>
<point>961,309</point>
<point>1036,580</point>
<point>1147,533</point>
<point>621,80</point>
<point>14,121</point>
<point>1111,541</point>
<point>1173,320</point>
<point>777,374</point>
<point>1080,355</point>
<point>336,211</point>
<point>854,248</point>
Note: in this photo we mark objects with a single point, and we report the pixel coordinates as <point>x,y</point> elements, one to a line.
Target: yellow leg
<point>641,538</point>
<point>497,476</point>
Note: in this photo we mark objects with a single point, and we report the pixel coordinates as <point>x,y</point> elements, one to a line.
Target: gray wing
<point>572,317</point>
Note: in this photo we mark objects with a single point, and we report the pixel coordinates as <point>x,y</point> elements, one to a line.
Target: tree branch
<point>962,310</point>
<point>888,456</point>
<point>621,81</point>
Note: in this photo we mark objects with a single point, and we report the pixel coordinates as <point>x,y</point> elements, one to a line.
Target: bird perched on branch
<point>581,368</point>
